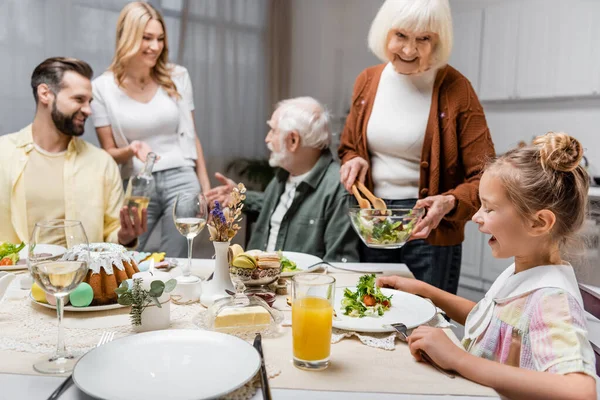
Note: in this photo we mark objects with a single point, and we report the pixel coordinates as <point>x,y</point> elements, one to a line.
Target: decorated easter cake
<point>110,264</point>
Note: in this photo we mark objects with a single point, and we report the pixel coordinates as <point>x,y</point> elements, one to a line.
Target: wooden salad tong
<point>378,203</point>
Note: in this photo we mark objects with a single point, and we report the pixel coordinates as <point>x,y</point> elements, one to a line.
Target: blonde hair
<point>416,16</point>
<point>130,32</point>
<point>547,175</point>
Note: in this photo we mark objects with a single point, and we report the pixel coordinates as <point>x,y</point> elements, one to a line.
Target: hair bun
<point>559,151</point>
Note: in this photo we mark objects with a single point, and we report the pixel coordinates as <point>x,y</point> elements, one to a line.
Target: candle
<point>152,275</point>
<point>154,318</point>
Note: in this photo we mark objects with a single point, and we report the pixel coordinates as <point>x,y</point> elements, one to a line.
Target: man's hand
<point>352,170</point>
<point>130,230</point>
<point>220,193</point>
<point>437,207</point>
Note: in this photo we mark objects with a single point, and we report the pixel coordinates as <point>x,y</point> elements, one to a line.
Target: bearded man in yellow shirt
<point>48,172</point>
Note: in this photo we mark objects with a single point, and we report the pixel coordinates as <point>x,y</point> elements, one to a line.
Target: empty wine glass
<point>57,259</point>
<point>190,213</point>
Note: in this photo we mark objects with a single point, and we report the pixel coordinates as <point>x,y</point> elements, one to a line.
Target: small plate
<point>174,364</point>
<point>79,309</point>
<point>304,263</point>
<point>42,248</point>
<point>406,308</point>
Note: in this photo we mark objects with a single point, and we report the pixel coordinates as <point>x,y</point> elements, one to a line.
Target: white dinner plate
<point>13,267</point>
<point>78,309</point>
<point>304,263</point>
<point>406,308</point>
<point>174,364</point>
<point>41,248</point>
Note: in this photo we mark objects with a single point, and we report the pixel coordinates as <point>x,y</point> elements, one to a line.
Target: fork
<point>105,338</point>
<point>401,328</point>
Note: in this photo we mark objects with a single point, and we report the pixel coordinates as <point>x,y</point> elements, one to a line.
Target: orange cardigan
<point>456,146</point>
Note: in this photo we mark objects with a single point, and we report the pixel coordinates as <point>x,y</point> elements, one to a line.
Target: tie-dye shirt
<point>543,330</point>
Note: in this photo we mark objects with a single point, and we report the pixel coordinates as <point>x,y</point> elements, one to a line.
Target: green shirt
<point>316,223</point>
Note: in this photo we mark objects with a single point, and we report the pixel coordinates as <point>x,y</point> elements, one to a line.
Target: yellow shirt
<point>44,186</point>
<point>93,190</point>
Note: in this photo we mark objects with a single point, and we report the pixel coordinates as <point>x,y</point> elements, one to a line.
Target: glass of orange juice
<point>312,314</point>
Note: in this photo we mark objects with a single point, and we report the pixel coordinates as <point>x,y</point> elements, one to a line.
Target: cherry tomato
<point>369,300</point>
<point>6,261</point>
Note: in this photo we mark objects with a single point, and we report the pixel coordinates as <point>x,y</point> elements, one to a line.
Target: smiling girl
<point>143,103</point>
<point>527,338</point>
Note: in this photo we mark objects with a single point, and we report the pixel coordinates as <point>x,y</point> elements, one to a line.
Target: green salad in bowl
<point>384,229</point>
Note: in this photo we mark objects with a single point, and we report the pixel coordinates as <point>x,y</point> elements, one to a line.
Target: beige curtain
<point>279,44</point>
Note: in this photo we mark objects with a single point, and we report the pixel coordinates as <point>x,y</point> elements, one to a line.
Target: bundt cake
<point>110,264</point>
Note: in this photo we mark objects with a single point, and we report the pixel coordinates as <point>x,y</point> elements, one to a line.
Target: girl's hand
<point>352,170</point>
<point>407,285</point>
<point>437,345</point>
<point>437,207</point>
<point>140,150</point>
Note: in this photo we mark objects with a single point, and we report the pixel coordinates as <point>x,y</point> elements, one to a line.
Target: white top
<point>285,201</point>
<point>395,132</point>
<point>164,123</point>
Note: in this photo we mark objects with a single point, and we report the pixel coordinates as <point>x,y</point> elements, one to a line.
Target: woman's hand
<point>140,150</point>
<point>437,345</point>
<point>354,169</point>
<point>407,285</point>
<point>437,207</point>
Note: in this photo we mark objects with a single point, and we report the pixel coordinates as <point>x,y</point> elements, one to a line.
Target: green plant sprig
<point>139,298</point>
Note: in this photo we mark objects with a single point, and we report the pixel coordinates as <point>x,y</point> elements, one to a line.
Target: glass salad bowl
<point>384,229</point>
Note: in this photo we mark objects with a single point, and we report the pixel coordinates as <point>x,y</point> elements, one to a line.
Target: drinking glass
<point>312,315</point>
<point>190,213</point>
<point>58,260</point>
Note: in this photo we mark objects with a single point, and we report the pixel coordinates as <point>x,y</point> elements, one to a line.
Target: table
<point>38,387</point>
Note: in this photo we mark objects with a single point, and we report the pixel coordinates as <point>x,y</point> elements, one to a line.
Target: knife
<point>401,328</point>
<point>264,382</point>
<point>62,388</point>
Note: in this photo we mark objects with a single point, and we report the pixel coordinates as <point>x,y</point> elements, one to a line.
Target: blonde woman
<point>142,104</point>
<point>416,135</point>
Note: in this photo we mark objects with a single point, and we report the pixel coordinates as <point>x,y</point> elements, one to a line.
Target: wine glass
<point>190,213</point>
<point>58,258</point>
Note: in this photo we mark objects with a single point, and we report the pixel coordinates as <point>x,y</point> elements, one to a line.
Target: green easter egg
<point>38,293</point>
<point>82,296</point>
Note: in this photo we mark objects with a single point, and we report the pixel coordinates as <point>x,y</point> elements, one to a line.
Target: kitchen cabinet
<point>535,49</point>
<point>558,54</point>
<point>499,51</point>
<point>467,32</point>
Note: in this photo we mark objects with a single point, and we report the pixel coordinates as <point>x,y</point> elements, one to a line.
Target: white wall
<point>329,48</point>
<point>329,45</point>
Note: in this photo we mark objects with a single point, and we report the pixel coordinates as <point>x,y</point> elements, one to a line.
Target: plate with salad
<point>367,308</point>
<point>14,256</point>
<point>293,263</point>
<point>10,258</point>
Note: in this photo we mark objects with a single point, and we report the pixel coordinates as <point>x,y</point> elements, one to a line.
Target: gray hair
<point>413,15</point>
<point>308,117</point>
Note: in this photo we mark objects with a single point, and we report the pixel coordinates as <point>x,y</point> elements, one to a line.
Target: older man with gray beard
<point>304,208</point>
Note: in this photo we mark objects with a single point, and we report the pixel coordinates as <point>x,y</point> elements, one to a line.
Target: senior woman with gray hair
<point>304,207</point>
<point>417,136</point>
